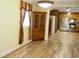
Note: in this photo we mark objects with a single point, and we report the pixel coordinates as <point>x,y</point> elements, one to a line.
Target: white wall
<point>28,1</point>
<point>9,26</point>
<point>47,25</point>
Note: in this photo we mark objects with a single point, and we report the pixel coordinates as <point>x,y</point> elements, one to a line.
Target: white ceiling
<point>62,4</point>
<point>67,1</point>
<point>64,9</point>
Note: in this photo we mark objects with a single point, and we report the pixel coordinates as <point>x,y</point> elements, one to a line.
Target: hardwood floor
<point>59,45</point>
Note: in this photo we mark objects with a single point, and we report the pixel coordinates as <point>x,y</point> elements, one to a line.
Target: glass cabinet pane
<point>36,21</point>
<point>42,20</point>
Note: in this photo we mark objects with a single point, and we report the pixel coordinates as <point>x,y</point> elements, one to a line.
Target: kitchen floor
<point>59,45</point>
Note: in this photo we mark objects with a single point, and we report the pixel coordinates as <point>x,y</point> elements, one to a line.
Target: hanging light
<point>45,4</point>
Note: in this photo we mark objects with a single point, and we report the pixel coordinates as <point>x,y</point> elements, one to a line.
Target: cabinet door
<point>38,25</point>
<point>42,22</point>
<point>36,22</point>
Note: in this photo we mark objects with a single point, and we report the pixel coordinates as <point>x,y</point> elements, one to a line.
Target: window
<point>26,22</point>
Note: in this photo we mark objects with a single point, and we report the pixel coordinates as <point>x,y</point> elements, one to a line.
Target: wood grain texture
<point>59,45</point>
<point>38,25</point>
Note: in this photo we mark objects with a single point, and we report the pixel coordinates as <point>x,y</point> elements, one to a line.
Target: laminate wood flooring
<point>59,45</point>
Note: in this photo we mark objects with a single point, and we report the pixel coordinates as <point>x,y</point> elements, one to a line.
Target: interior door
<point>38,25</point>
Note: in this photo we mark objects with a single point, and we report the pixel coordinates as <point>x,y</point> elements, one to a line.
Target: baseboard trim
<point>2,54</point>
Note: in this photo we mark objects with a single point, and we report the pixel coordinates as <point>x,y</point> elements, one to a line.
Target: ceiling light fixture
<point>68,9</point>
<point>45,4</point>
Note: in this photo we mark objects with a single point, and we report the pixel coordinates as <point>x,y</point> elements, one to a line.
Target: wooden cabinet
<point>38,27</point>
